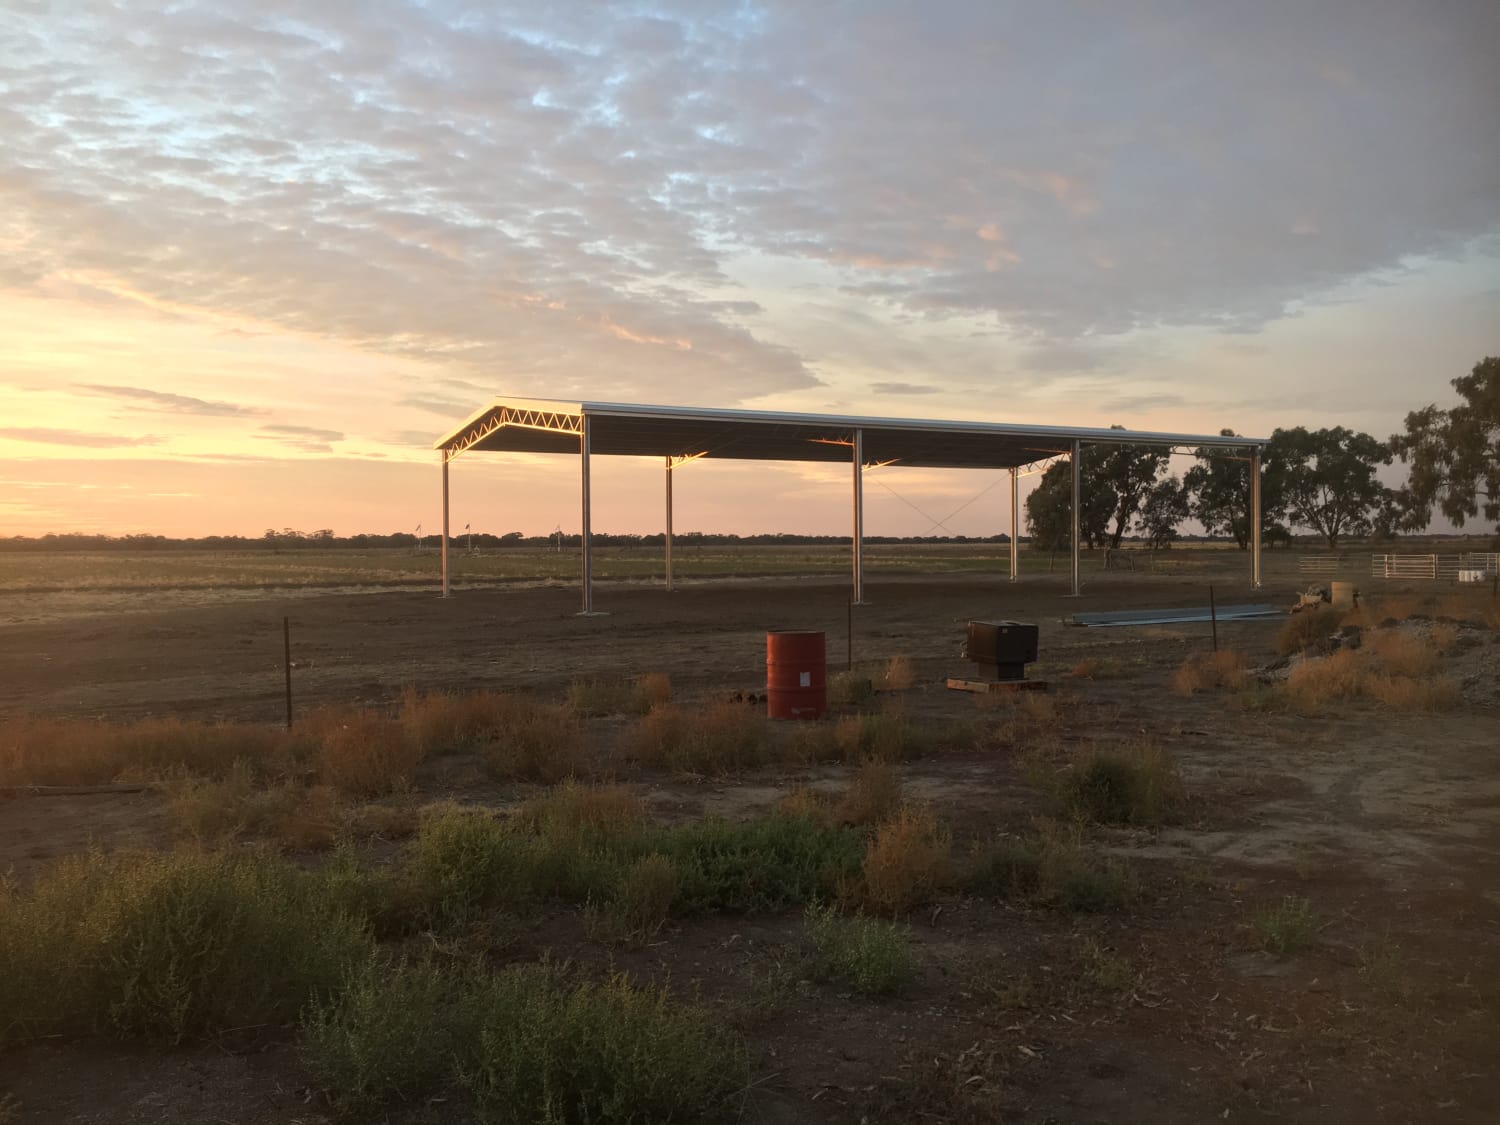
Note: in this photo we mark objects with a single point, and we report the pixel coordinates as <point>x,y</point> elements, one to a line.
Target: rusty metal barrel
<point>796,675</point>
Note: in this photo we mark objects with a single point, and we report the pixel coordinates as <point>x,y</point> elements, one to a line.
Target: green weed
<point>170,947</point>
<point>866,955</point>
<point>1286,928</point>
<point>1136,785</point>
<point>1052,868</point>
<point>391,1032</point>
<point>611,1052</point>
<point>769,864</point>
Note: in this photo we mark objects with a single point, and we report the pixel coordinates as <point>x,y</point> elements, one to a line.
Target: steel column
<point>859,517</point>
<point>669,522</point>
<point>1076,458</point>
<point>588,556</point>
<point>1015,524</point>
<point>444,455</point>
<point>1255,519</point>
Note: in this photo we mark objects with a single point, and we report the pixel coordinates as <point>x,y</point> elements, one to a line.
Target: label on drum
<point>805,678</point>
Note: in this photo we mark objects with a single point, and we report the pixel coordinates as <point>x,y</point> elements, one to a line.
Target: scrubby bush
<point>769,864</point>
<point>906,862</point>
<point>1287,927</point>
<point>617,697</point>
<point>611,1052</point>
<point>84,752</point>
<point>527,1043</point>
<point>365,754</point>
<point>897,674</point>
<point>1137,785</point>
<point>874,793</point>
<point>171,947</point>
<point>391,1032</point>
<point>1207,671</point>
<point>539,742</point>
<point>871,957</point>
<point>720,738</point>
<point>641,899</point>
<point>1307,629</point>
<point>1052,868</point>
<point>885,735</point>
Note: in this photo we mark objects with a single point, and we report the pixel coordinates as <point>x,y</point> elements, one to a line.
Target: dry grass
<point>441,723</point>
<point>874,793</point>
<point>1136,784</point>
<point>887,735</point>
<point>1208,671</point>
<point>1395,669</point>
<point>1480,606</point>
<point>539,742</point>
<point>655,688</point>
<point>803,803</point>
<point>384,821</point>
<point>1443,636</point>
<point>907,862</point>
<point>1098,668</point>
<point>1436,693</point>
<point>365,754</point>
<point>82,752</point>
<point>1398,652</point>
<point>719,738</point>
<point>898,674</point>
<point>620,697</point>
<point>1307,629</point>
<point>850,689</point>
<point>572,808</point>
<point>1026,721</point>
<point>1052,868</point>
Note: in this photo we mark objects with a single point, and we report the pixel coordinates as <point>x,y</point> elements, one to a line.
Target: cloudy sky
<point>256,256</point>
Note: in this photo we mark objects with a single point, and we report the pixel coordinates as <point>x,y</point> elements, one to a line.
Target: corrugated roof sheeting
<point>618,429</point>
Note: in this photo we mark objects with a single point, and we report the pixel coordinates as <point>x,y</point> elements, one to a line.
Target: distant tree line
<point>289,539</point>
<point>1321,481</point>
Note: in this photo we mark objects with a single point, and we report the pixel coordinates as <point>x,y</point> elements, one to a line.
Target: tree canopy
<point>1218,489</point>
<point>1164,508</point>
<point>1328,481</point>
<point>1049,508</point>
<point>1125,473</point>
<point>1454,454</point>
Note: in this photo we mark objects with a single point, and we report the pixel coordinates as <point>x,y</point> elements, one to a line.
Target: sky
<point>256,257</point>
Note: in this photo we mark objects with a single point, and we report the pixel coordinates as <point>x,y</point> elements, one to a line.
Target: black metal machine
<point>1002,649</point>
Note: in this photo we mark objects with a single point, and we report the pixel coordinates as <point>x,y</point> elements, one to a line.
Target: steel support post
<point>1255,519</point>
<point>859,517</point>
<point>444,456</point>
<point>1015,524</point>
<point>588,555</point>
<point>1076,458</point>
<point>669,523</point>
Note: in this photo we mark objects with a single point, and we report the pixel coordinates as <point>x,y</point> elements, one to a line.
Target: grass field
<point>111,570</point>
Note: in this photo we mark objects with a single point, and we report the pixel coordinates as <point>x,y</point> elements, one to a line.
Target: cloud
<point>1077,175</point>
<point>452,408</point>
<point>421,439</point>
<point>168,403</point>
<point>45,436</point>
<point>903,389</point>
<point>306,439</point>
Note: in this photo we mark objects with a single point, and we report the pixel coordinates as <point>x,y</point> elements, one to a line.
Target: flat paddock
<point>1382,823</point>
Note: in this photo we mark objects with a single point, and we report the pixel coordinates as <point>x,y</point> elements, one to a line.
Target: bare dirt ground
<point>1388,823</point>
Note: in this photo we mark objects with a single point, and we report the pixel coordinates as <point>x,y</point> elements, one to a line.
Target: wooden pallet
<point>991,686</point>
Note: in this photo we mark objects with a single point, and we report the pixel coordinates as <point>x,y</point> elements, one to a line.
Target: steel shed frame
<point>682,434</point>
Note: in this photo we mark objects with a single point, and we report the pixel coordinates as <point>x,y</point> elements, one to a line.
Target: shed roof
<point>524,425</point>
